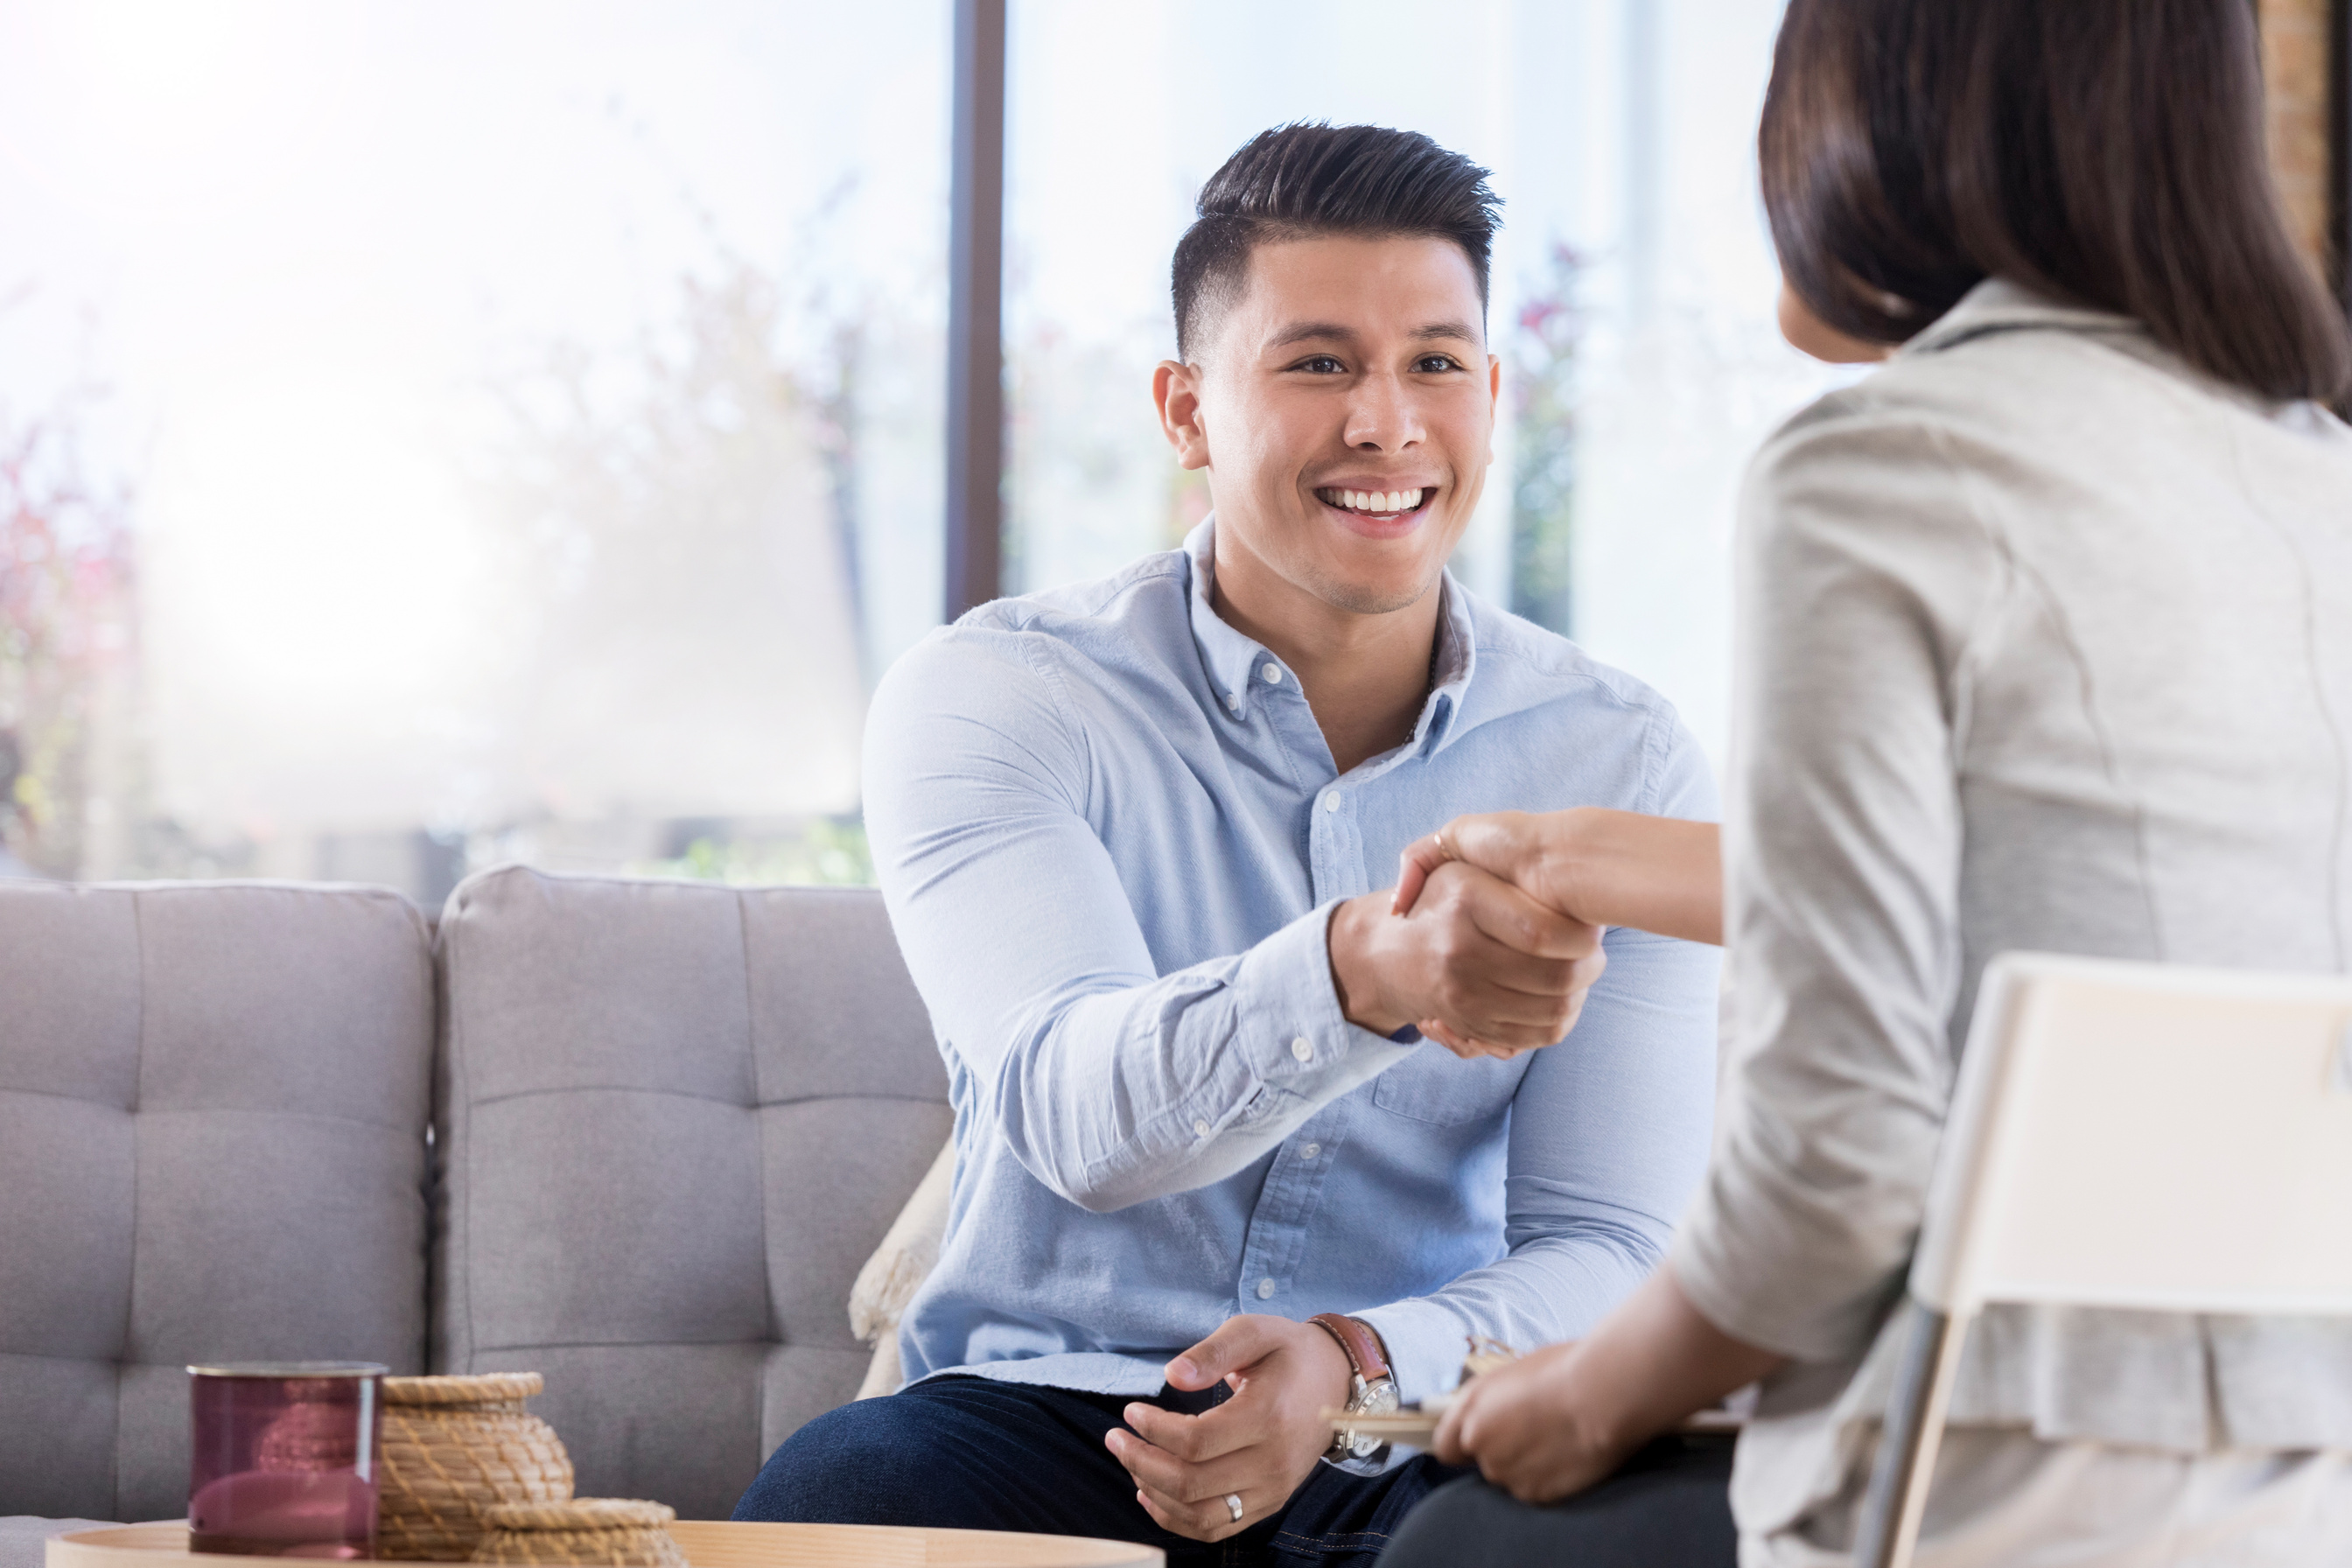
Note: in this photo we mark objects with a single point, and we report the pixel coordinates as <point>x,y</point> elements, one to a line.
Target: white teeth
<point>1378,502</point>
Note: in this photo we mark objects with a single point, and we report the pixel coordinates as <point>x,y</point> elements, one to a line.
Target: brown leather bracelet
<point>1358,1341</point>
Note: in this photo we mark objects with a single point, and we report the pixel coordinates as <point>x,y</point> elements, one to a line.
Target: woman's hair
<point>2106,152</point>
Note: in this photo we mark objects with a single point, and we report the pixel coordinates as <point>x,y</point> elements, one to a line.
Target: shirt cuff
<point>1426,1342</point>
<point>1292,1036</point>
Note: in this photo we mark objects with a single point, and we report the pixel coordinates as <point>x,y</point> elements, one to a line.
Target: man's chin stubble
<point>1359,600</point>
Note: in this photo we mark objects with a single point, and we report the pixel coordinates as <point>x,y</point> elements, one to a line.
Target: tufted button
<point>1264,1289</point>
<point>1303,1049</point>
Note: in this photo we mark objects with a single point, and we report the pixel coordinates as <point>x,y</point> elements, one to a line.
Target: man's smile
<point>1378,513</point>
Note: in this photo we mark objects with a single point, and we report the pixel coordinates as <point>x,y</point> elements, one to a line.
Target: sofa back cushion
<point>674,1119</point>
<point>213,1105</point>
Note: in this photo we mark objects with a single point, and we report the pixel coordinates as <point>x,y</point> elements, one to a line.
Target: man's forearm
<point>1116,1097</point>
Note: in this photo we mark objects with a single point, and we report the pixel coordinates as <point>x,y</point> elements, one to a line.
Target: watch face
<point>1377,1398</point>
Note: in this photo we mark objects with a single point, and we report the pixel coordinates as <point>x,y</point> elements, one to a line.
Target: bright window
<point>434,434</point>
<point>448,431</point>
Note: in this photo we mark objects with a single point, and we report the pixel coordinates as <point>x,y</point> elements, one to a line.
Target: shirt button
<point>1310,1151</point>
<point>1272,674</point>
<point>1331,801</point>
<point>1232,704</point>
<point>1200,1129</point>
<point>1303,1049</point>
<point>1264,1289</point>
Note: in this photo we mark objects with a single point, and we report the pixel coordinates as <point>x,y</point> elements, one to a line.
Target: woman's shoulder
<point>2076,385</point>
<point>2043,412</point>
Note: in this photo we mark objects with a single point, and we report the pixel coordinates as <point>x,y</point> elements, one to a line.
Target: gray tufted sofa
<point>635,1135</point>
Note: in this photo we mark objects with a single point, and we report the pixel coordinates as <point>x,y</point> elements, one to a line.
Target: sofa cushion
<point>212,1103</point>
<point>674,1119</point>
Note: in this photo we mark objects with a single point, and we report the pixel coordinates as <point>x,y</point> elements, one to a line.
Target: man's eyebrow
<point>1306,331</point>
<point>1301,332</point>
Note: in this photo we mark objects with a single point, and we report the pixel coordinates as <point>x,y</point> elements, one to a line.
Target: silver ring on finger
<point>1234,1506</point>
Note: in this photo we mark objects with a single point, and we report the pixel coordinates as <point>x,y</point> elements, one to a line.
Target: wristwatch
<point>1371,1392</point>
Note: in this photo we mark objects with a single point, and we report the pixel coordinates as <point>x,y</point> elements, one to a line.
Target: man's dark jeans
<point>971,1453</point>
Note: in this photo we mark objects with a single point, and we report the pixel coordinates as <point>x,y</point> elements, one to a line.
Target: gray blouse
<point>2045,641</point>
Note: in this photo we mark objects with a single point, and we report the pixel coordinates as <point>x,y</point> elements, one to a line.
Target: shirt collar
<point>1997,305</point>
<point>1235,662</point>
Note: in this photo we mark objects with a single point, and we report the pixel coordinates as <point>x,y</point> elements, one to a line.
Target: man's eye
<point>1437,362</point>
<point>1321,365</point>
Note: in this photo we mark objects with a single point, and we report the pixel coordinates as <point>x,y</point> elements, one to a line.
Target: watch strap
<point>1362,1346</point>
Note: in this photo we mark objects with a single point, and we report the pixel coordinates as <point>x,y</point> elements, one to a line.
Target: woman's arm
<point>1605,867</point>
<point>1554,1422</point>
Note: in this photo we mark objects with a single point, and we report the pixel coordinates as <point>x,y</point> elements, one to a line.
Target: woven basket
<point>454,1447</point>
<point>601,1531</point>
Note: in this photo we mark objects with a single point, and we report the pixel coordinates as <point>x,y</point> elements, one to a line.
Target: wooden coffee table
<point>708,1543</point>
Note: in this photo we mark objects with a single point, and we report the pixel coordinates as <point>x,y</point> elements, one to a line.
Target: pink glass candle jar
<point>284,1461</point>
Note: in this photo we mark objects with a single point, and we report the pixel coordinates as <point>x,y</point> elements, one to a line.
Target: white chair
<point>2129,1135</point>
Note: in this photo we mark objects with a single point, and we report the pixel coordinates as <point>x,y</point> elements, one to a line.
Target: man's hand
<point>1258,1444</point>
<point>1483,968</point>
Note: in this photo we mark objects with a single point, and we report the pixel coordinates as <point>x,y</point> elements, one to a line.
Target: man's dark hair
<point>1314,179</point>
<point>2106,152</point>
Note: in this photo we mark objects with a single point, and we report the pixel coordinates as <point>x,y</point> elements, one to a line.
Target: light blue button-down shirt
<point>1110,835</point>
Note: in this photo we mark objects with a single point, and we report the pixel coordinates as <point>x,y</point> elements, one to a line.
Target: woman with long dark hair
<point>2045,641</point>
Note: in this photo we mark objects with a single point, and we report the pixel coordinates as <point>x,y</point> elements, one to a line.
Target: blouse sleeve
<point>1861,576</point>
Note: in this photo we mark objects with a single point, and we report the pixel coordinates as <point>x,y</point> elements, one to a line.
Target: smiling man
<point>1213,1172</point>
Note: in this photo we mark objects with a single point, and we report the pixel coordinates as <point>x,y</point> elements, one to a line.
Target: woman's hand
<point>1605,867</point>
<point>1554,1422</point>
<point>1519,1423</point>
<point>1511,845</point>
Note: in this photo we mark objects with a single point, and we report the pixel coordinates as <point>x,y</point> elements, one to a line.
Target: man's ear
<point>1176,388</point>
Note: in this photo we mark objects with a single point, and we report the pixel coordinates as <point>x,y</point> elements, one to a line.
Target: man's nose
<point>1380,416</point>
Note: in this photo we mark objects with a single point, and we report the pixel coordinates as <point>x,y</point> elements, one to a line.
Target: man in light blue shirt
<point>1133,835</point>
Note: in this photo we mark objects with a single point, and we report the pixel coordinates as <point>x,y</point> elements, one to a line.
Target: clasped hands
<point>1476,945</point>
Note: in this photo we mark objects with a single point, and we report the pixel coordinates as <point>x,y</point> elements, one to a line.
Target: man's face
<point>1345,410</point>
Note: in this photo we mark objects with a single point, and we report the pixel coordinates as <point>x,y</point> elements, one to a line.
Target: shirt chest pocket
<point>1435,1086</point>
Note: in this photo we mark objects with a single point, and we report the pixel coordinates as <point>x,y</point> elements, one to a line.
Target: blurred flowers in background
<point>68,665</point>
<point>1544,395</point>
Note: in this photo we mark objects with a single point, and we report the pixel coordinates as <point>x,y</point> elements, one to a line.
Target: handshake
<point>1492,935</point>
